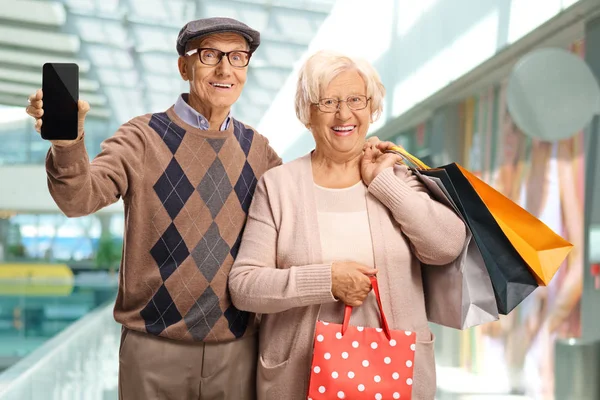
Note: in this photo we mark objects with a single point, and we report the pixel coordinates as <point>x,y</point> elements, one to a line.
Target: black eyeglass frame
<point>220,57</point>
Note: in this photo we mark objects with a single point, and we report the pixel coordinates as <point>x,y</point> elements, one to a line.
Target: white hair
<point>321,68</point>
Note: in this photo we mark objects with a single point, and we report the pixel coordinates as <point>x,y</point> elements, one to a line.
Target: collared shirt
<point>193,117</point>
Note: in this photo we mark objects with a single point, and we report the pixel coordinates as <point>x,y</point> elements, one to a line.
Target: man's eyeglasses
<point>212,57</point>
<point>354,102</point>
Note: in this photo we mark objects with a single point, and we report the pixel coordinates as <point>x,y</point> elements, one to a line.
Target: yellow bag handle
<point>406,155</point>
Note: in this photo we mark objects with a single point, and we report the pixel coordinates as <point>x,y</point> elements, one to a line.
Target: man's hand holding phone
<point>36,110</point>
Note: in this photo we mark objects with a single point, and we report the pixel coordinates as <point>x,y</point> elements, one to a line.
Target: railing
<point>80,363</point>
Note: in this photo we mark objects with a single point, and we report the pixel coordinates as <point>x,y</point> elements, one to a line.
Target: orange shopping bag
<point>351,362</point>
<point>540,247</point>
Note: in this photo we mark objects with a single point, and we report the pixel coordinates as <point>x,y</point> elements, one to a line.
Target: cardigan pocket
<point>270,372</point>
<point>271,382</point>
<point>424,379</point>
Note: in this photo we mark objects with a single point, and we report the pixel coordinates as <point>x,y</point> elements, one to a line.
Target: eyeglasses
<point>212,57</point>
<point>354,102</point>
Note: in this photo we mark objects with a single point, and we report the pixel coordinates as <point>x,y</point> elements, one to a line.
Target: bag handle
<point>408,157</point>
<point>384,324</point>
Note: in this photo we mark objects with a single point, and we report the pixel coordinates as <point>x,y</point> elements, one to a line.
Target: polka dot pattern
<point>361,364</point>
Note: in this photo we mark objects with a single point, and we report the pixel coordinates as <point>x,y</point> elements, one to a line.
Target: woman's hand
<point>376,160</point>
<point>350,282</point>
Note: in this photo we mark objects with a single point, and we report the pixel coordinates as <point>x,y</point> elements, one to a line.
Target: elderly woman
<point>320,225</point>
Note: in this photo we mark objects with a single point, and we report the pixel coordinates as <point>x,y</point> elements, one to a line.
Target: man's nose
<point>224,67</point>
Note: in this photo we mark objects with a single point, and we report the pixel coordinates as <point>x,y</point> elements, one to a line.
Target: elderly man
<point>186,177</point>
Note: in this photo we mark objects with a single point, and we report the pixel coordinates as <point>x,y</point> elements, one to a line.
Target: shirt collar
<point>193,117</point>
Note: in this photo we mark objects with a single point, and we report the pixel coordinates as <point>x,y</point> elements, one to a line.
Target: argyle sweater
<point>186,194</point>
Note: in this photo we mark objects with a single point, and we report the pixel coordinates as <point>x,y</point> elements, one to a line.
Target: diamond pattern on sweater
<point>161,312</point>
<point>245,186</point>
<point>192,221</point>
<point>173,188</point>
<point>216,144</point>
<point>170,133</point>
<point>245,136</point>
<point>169,252</point>
<point>203,315</point>
<point>215,187</point>
<point>210,252</point>
<point>238,320</point>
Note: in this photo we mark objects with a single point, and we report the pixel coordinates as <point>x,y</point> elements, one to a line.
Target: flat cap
<point>209,26</point>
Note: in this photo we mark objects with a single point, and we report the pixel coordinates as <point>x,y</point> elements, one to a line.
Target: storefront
<point>548,179</point>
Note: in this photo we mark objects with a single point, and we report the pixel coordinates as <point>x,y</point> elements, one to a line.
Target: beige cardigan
<point>279,271</point>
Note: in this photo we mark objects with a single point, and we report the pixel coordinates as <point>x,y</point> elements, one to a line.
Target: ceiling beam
<point>35,12</point>
<point>36,59</point>
<point>20,76</point>
<point>309,11</point>
<point>39,39</point>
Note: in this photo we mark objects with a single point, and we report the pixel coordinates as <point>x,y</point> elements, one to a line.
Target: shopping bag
<point>458,295</point>
<point>510,275</point>
<point>542,249</point>
<point>353,362</point>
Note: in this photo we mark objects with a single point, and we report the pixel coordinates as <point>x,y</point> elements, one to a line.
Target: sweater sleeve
<point>256,282</point>
<point>437,235</point>
<point>81,188</point>
<point>273,159</point>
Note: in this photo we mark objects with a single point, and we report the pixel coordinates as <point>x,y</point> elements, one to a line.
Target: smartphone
<point>60,84</point>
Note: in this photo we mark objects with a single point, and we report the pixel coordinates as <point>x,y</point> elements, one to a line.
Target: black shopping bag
<point>511,279</point>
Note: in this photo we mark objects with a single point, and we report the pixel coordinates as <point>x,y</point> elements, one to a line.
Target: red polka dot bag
<point>353,362</point>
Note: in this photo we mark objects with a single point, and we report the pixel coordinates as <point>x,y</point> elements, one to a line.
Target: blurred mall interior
<point>446,65</point>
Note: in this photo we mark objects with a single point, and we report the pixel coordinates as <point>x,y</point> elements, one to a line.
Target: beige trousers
<point>153,368</point>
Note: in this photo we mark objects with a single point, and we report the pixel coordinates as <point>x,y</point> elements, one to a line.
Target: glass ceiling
<point>126,49</point>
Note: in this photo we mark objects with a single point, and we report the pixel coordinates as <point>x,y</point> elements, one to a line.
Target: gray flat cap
<point>208,26</point>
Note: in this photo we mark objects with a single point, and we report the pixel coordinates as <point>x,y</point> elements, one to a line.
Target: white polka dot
<point>327,356</point>
<point>374,345</point>
<point>325,323</point>
<point>413,347</point>
<point>407,333</point>
<point>355,344</point>
<point>396,376</point>
<point>393,343</point>
<point>378,396</point>
<point>322,389</point>
<point>396,395</point>
<point>365,363</point>
<point>334,375</point>
<point>317,369</point>
<point>338,335</point>
<point>361,388</point>
<point>351,375</point>
<point>379,330</point>
<point>320,338</point>
<point>409,363</point>
<point>345,355</point>
<point>341,395</point>
<point>387,360</point>
<point>409,381</point>
<point>377,378</point>
<point>360,328</point>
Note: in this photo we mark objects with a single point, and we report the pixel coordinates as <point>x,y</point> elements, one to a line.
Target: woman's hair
<point>321,68</point>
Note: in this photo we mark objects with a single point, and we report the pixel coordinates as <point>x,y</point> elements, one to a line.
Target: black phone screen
<point>60,86</point>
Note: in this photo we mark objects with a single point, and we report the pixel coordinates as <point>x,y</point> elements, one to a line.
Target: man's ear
<point>183,68</point>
